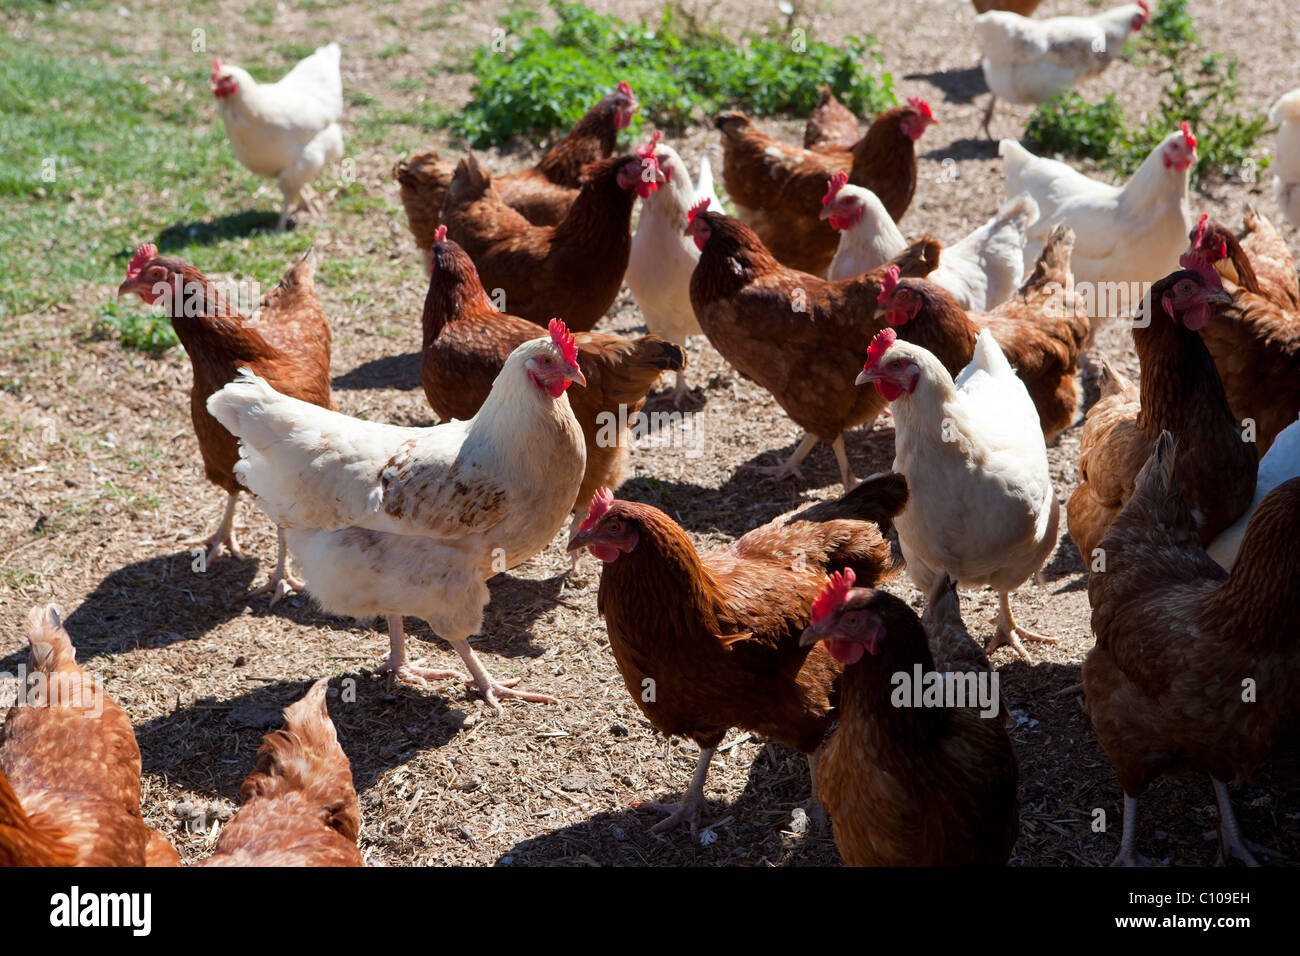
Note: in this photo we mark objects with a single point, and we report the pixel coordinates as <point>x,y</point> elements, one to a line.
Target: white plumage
<point>1280,463</point>
<point>1286,155</point>
<point>286,131</point>
<point>1124,235</point>
<point>981,270</point>
<point>981,506</point>
<point>387,520</point>
<point>663,256</point>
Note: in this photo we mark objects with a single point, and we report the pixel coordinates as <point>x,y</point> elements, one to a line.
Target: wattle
<point>846,652</point>
<point>888,390</point>
<point>1196,317</point>
<point>605,552</point>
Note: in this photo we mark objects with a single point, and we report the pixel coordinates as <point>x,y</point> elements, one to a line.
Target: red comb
<point>600,503</point>
<point>1200,230</point>
<point>564,341</point>
<point>889,281</point>
<point>216,68</point>
<point>832,594</point>
<point>1200,263</point>
<point>1188,137</point>
<point>698,208</point>
<point>1145,9</point>
<point>921,106</point>
<point>141,259</point>
<point>879,346</point>
<point>624,88</point>
<point>833,187</point>
<point>440,235</point>
<point>646,150</point>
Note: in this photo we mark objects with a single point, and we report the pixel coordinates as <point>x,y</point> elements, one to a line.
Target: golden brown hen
<point>70,767</point>
<point>300,807</point>
<point>707,642</point>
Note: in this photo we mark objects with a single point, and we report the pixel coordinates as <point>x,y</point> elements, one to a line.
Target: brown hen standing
<point>541,193</point>
<point>70,767</point>
<point>286,342</point>
<point>777,188</point>
<point>831,126</point>
<point>707,642</point>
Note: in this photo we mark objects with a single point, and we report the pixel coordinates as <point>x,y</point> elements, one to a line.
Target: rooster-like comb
<point>921,106</point>
<point>216,69</point>
<point>699,207</point>
<point>1146,10</point>
<point>440,235</point>
<point>647,150</point>
<point>889,281</point>
<point>624,88</point>
<point>832,594</point>
<point>141,259</point>
<point>1188,138</point>
<point>1202,265</point>
<point>600,503</point>
<point>564,341</point>
<point>833,187</point>
<point>879,346</point>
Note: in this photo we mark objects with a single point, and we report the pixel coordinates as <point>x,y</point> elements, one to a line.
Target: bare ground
<point>106,483</point>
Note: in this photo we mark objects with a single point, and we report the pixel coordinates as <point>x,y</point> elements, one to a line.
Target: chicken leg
<point>1127,856</point>
<point>282,580</point>
<point>790,467</point>
<point>490,688</point>
<point>679,397</point>
<point>692,805</point>
<point>988,117</point>
<point>846,473</point>
<point>1009,632</point>
<point>224,535</point>
<point>1232,845</point>
<point>398,666</point>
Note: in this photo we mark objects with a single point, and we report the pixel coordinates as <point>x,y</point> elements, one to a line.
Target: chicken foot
<point>491,689</point>
<point>692,805</point>
<point>1009,632</point>
<point>790,467</point>
<point>679,397</point>
<point>1232,845</point>
<point>846,473</point>
<point>398,666</point>
<point>224,535</point>
<point>282,581</point>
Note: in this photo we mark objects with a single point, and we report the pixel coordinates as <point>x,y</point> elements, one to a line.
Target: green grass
<point>532,81</point>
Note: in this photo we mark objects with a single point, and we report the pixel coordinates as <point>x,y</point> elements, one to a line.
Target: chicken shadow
<point>969,147</point>
<point>748,827</point>
<point>400,372</point>
<point>209,232</point>
<point>210,746</point>
<point>957,86</point>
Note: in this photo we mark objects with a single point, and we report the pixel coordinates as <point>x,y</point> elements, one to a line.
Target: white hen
<point>1286,156</point>
<point>1030,61</point>
<point>981,503</point>
<point>286,131</point>
<point>1125,236</point>
<point>1280,463</point>
<point>663,256</point>
<point>982,270</point>
<point>390,521</point>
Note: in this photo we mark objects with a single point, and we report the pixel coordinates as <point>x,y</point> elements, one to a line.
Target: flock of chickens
<point>1185,514</point>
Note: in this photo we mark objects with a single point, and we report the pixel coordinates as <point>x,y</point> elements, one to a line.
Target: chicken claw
<point>788,468</point>
<point>399,667</point>
<point>692,805</point>
<point>1008,632</point>
<point>224,535</point>
<point>492,689</point>
<point>1232,845</point>
<point>282,581</point>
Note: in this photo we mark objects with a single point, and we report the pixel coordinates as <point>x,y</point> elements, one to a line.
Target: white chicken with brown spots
<point>390,521</point>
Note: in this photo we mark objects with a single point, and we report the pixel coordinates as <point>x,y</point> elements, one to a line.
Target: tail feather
<point>50,648</point>
<point>305,756</point>
<point>1053,263</point>
<point>22,843</point>
<point>879,498</point>
<point>732,124</point>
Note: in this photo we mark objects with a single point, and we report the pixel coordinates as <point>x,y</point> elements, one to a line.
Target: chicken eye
<point>614,525</point>
<point>851,621</point>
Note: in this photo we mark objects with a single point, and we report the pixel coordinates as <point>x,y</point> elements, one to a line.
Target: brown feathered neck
<point>1261,598</point>
<point>733,256</point>
<point>937,303</point>
<point>884,143</point>
<point>867,686</point>
<point>665,572</point>
<point>602,207</point>
<point>592,138</point>
<point>205,320</point>
<point>1179,380</point>
<point>455,291</point>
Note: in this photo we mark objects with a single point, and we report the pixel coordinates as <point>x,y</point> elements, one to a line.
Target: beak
<point>813,633</point>
<point>579,540</point>
<point>827,212</point>
<point>126,288</point>
<point>1220,298</point>
<point>867,375</point>
<point>577,376</point>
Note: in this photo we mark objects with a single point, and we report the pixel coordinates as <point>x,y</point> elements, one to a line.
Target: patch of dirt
<point>105,483</point>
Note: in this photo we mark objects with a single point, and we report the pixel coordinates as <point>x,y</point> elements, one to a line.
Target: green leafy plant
<point>142,331</point>
<point>531,81</point>
<point>1204,94</point>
